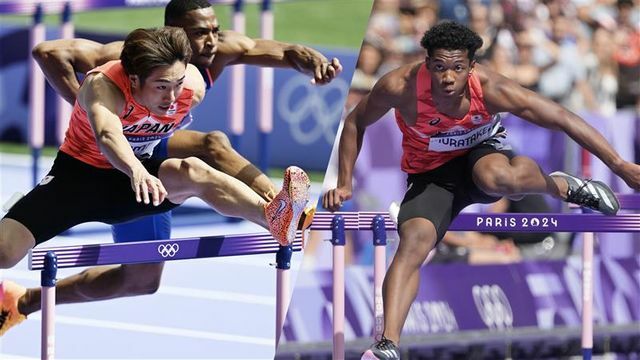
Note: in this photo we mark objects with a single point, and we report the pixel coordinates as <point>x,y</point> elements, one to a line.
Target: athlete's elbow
<point>352,126</point>
<point>105,138</point>
<point>41,51</point>
<point>45,54</point>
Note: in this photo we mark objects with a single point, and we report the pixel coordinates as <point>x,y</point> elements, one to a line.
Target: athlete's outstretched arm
<point>384,96</point>
<point>502,94</point>
<point>235,48</point>
<point>102,100</point>
<point>60,60</point>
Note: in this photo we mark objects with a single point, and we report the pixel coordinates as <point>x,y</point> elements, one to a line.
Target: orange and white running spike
<point>284,211</point>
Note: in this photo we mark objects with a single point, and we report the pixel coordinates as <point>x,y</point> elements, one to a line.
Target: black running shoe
<point>384,349</point>
<point>594,195</point>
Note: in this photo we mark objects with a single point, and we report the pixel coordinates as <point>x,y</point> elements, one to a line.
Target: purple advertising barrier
<point>460,297</point>
<point>491,301</point>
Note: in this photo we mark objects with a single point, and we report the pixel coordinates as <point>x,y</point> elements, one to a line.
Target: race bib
<point>143,149</point>
<point>145,134</point>
<point>462,139</point>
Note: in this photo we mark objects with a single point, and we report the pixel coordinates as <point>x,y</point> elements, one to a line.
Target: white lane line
<point>218,295</point>
<point>15,357</point>
<point>215,295</point>
<point>159,330</point>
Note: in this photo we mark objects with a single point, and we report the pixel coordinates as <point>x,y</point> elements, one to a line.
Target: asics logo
<point>168,250</point>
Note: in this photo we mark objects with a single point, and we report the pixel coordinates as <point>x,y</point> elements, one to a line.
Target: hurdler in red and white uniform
<point>440,151</point>
<point>143,130</point>
<point>437,138</point>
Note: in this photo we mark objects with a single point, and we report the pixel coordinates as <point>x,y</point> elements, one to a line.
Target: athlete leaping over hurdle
<point>122,111</point>
<point>213,50</point>
<point>455,154</point>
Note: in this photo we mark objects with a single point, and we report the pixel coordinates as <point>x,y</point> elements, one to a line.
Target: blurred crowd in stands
<point>584,54</point>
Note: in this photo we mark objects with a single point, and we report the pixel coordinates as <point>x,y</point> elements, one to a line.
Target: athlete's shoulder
<point>194,82</point>
<point>97,88</point>
<point>494,83</point>
<point>229,39</point>
<point>487,77</point>
<point>231,44</point>
<point>101,79</point>
<point>400,81</point>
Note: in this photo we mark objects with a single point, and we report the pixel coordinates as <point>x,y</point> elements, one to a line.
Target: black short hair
<point>450,35</point>
<point>144,50</point>
<point>176,9</point>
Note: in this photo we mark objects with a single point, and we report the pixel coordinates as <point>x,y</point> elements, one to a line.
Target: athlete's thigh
<point>488,163</point>
<point>67,196</point>
<point>482,163</point>
<point>185,143</point>
<point>120,204</point>
<point>183,178</point>
<point>427,200</point>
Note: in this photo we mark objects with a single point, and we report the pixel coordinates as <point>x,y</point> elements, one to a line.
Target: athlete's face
<point>202,29</point>
<point>161,88</point>
<point>449,70</point>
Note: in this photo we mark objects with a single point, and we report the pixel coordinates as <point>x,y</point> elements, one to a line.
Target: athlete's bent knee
<point>193,166</point>
<point>498,180</point>
<point>217,144</point>
<point>8,260</point>
<point>14,242</point>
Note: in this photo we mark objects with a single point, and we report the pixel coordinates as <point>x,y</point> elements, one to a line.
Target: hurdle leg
<point>236,85</point>
<point>265,90</point>
<point>48,301</point>
<point>283,264</point>
<point>36,95</point>
<point>379,269</point>
<point>587,295</point>
<point>338,241</point>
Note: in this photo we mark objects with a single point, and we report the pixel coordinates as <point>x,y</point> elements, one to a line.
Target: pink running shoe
<point>283,212</point>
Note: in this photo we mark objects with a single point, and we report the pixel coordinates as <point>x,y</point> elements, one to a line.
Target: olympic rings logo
<point>168,250</point>
<point>314,114</point>
<point>493,306</point>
